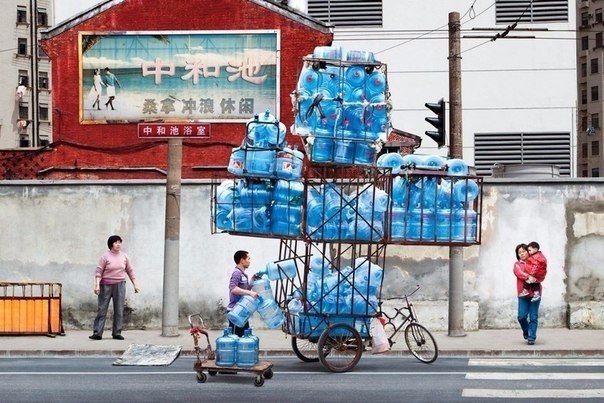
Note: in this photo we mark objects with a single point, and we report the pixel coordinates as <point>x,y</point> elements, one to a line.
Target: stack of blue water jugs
<point>267,196</point>
<point>342,109</point>
<point>431,207</point>
<point>232,350</point>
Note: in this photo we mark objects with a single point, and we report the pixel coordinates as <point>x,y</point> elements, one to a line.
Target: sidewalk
<point>501,342</point>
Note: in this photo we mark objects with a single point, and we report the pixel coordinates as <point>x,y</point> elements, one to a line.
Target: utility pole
<point>456,267</point>
<point>172,239</point>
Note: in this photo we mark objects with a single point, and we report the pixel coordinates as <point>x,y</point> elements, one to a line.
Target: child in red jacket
<point>536,265</point>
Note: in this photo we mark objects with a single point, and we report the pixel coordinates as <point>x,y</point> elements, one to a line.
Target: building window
<point>594,66</point>
<point>347,13</point>
<point>595,120</point>
<point>43,80</point>
<point>595,172</point>
<point>41,53</point>
<point>584,150</point>
<point>21,15</point>
<point>583,97</point>
<point>583,69</point>
<point>43,112</point>
<point>598,14</point>
<point>599,40</point>
<point>23,111</point>
<point>531,11</point>
<point>583,123</point>
<point>42,18</point>
<point>22,46</point>
<point>595,148</point>
<point>595,93</point>
<point>584,42</point>
<point>584,19</point>
<point>23,78</point>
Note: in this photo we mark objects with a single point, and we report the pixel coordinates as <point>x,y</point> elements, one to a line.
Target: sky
<point>65,9</point>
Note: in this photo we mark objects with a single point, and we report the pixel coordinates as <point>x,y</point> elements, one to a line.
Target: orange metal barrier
<point>30,308</point>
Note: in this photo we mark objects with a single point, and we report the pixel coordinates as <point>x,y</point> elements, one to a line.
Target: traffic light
<point>438,122</point>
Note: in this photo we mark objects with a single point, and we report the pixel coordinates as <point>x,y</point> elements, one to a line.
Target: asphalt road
<point>383,379</point>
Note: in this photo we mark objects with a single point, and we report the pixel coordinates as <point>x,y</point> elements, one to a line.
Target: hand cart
<point>206,358</point>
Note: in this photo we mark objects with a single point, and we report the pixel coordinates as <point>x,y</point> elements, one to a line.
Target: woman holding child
<point>530,270</point>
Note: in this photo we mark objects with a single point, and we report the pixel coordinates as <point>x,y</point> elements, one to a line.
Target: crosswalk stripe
<point>536,362</point>
<point>534,393</point>
<point>515,376</point>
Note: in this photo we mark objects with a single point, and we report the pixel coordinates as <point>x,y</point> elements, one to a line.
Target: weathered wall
<point>55,232</point>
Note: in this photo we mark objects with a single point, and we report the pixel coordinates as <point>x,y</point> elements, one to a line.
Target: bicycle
<point>419,340</point>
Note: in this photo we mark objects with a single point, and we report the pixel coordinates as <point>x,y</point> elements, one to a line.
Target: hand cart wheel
<point>340,347</point>
<point>421,343</point>
<point>201,377</point>
<point>259,381</point>
<point>268,374</point>
<point>305,349</point>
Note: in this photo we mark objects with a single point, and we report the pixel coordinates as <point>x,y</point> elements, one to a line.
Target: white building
<point>518,91</point>
<point>25,98</point>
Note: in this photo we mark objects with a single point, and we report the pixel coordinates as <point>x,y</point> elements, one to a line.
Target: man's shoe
<point>531,342</point>
<point>118,337</point>
<point>525,335</point>
<point>95,337</point>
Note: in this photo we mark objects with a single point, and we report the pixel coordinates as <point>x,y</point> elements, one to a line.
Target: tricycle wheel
<point>268,374</point>
<point>340,347</point>
<point>201,377</point>
<point>305,349</point>
<point>212,373</point>
<point>421,343</point>
<point>259,381</point>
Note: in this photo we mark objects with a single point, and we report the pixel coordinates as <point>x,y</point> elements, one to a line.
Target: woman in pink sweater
<point>110,284</point>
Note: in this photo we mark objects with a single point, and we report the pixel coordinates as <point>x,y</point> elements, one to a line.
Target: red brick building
<point>106,149</point>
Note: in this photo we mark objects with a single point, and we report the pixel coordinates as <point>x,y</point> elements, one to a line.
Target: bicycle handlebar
<point>406,295</point>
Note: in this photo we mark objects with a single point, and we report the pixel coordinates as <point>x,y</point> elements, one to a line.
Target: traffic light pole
<point>456,264</point>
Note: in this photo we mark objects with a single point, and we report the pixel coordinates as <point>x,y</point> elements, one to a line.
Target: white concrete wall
<point>509,84</point>
<point>55,232</point>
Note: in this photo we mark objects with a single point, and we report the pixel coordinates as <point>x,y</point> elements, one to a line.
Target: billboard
<point>209,76</point>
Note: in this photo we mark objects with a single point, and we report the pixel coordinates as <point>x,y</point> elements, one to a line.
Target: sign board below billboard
<point>173,130</point>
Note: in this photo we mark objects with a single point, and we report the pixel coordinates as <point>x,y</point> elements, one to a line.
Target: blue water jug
<point>328,52</point>
<point>281,270</point>
<point>464,225</point>
<point>246,351</point>
<point>376,83</point>
<point>457,167</point>
<point>243,310</point>
<point>400,187</point>
<point>322,149</point>
<point>390,160</point>
<point>288,192</point>
<point>445,197</point>
<point>260,220</point>
<point>310,80</point>
<point>420,224</point>
<point>226,350</point>
<point>443,225</point>
<point>397,223</point>
<point>364,153</point>
<point>344,151</point>
<point>271,314</point>
<point>222,219</point>
<point>355,76</point>
<point>260,162</point>
<point>360,56</point>
<point>263,287</point>
<point>465,190</point>
<point>237,161</point>
<point>433,162</point>
<point>241,217</point>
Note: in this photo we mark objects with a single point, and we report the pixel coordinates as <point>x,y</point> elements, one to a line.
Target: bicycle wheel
<point>421,343</point>
<point>305,349</point>
<point>340,348</point>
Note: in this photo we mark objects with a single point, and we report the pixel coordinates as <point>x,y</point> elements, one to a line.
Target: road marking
<point>534,393</point>
<point>534,375</point>
<point>354,373</point>
<point>536,362</point>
